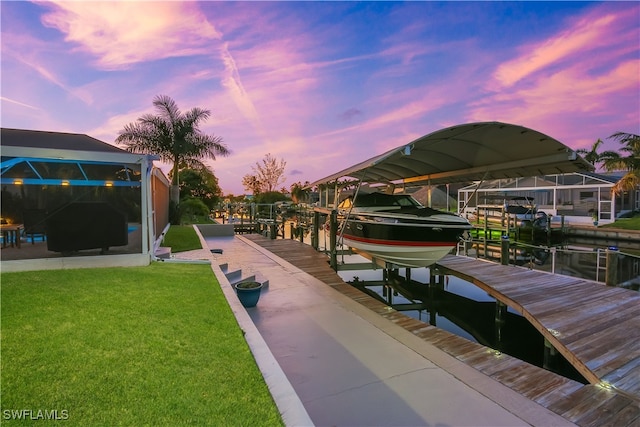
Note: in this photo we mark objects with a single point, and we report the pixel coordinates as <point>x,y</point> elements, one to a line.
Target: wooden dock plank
<point>629,380</point>
<point>553,296</point>
<point>621,407</point>
<point>579,296</point>
<point>593,322</point>
<point>560,392</point>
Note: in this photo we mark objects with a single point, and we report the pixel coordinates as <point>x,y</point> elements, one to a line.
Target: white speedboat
<point>399,230</point>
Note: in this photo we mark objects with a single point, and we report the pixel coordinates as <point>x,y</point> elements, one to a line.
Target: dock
<point>595,327</point>
<point>611,397</point>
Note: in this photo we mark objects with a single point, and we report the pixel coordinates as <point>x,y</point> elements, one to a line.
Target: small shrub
<point>248,285</point>
<point>193,207</point>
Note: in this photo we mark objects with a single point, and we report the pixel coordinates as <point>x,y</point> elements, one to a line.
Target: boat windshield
<point>386,200</point>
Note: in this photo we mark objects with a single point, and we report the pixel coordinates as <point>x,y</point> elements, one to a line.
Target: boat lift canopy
<point>465,153</point>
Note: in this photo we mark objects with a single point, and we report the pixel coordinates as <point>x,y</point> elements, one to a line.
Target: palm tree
<point>298,191</point>
<point>629,163</point>
<point>174,136</point>
<point>592,156</point>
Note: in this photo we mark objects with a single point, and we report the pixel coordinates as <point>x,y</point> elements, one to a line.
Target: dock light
<point>65,183</point>
<point>108,184</point>
<point>605,385</point>
<point>17,181</point>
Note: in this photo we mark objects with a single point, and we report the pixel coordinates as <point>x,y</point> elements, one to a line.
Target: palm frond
<point>625,138</point>
<point>591,155</point>
<point>208,146</point>
<point>196,115</point>
<point>167,108</point>
<point>629,182</point>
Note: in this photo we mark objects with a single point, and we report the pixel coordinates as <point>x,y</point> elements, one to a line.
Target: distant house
<point>46,172</point>
<point>578,197</point>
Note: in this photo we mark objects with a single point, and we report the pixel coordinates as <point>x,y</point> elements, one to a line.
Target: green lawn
<point>626,223</point>
<point>181,238</point>
<point>154,345</point>
<point>196,219</point>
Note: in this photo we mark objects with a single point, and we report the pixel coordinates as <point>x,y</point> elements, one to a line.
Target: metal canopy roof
<point>468,152</point>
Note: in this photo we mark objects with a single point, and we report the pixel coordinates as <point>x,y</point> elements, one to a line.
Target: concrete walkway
<point>329,361</point>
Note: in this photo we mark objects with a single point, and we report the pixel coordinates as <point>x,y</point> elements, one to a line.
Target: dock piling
<point>504,250</point>
<point>550,355</point>
<point>333,239</point>
<point>611,274</point>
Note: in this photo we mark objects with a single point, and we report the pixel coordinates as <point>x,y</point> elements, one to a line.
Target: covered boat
<point>398,229</point>
<point>471,152</point>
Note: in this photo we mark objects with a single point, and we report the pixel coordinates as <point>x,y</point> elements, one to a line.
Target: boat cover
<point>468,152</point>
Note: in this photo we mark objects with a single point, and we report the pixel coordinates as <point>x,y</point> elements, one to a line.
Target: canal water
<point>461,308</point>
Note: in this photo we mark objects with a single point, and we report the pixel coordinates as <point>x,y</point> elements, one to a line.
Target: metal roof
<point>581,179</point>
<point>58,158</point>
<point>468,152</point>
<point>54,140</point>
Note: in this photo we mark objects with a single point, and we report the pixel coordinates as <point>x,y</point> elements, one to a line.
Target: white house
<point>579,197</point>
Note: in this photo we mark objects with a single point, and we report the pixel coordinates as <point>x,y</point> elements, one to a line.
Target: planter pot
<point>248,293</point>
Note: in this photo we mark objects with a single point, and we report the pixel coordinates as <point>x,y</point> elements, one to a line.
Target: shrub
<point>193,207</point>
<point>270,197</point>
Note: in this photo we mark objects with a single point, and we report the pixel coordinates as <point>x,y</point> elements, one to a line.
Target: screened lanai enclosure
<point>579,198</point>
<point>70,195</point>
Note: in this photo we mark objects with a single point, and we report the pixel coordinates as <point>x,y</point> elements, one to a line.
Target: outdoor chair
<point>34,221</point>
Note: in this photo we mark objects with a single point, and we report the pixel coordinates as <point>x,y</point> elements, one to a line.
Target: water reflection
<point>462,309</point>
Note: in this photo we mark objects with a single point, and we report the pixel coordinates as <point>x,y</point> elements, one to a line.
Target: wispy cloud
<point>37,56</point>
<point>233,83</point>
<point>588,72</point>
<point>18,103</point>
<point>350,114</point>
<point>151,30</point>
<point>586,35</point>
<point>567,105</point>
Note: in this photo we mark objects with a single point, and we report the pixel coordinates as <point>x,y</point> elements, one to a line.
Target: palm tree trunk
<point>174,191</point>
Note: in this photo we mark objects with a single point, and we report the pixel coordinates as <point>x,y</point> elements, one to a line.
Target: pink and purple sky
<point>322,85</point>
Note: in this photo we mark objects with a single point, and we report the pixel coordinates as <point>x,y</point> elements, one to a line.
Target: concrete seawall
<point>629,239</point>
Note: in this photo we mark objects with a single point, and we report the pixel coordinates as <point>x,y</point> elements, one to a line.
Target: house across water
<point>580,197</point>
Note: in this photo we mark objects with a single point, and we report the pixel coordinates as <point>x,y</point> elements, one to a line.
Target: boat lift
<point>471,152</point>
